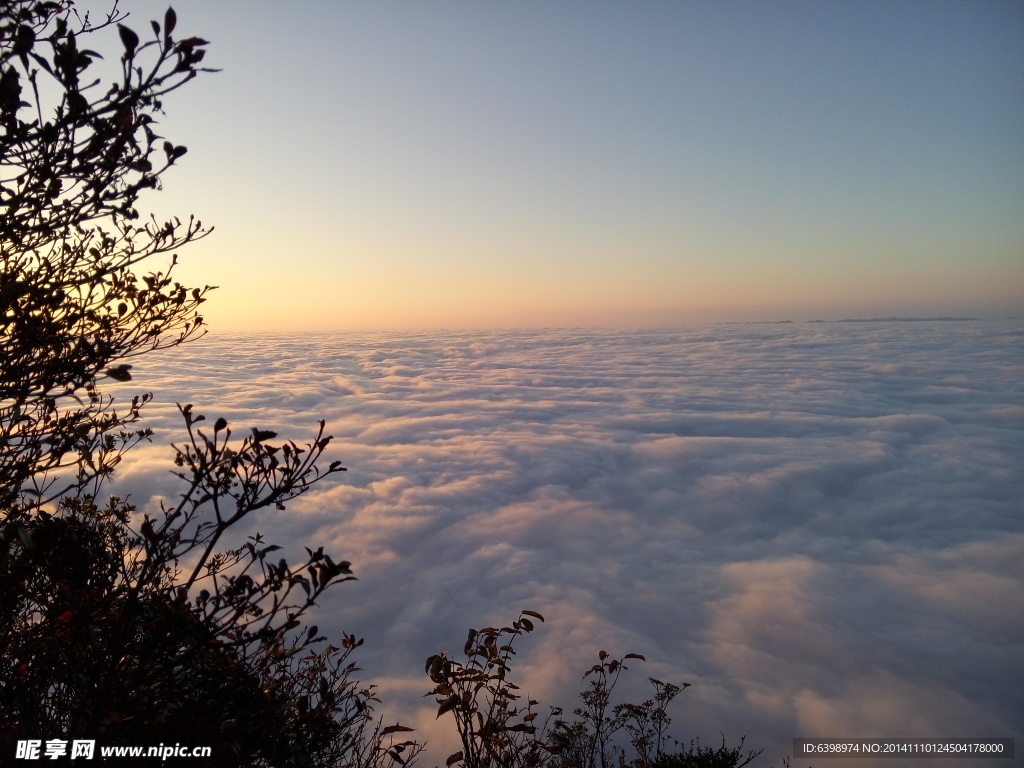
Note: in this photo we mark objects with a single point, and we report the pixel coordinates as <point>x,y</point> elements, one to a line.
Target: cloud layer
<point>819,526</point>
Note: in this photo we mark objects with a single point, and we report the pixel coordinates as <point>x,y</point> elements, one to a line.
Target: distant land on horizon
<point>856,320</point>
<point>898,320</point>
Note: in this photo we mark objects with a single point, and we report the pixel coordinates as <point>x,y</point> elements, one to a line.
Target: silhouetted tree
<point>75,154</point>
<point>124,628</point>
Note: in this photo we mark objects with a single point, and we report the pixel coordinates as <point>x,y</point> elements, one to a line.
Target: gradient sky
<point>395,164</point>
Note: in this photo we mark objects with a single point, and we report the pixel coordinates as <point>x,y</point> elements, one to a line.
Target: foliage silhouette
<point>114,626</point>
<point>73,308</point>
<point>498,729</point>
<point>495,731</point>
<point>697,756</point>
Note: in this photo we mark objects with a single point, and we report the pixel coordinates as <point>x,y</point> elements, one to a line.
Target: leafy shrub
<point>122,628</point>
<point>500,729</point>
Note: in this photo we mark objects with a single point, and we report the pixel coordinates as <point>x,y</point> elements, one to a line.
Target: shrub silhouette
<point>124,629</point>
<point>499,729</point>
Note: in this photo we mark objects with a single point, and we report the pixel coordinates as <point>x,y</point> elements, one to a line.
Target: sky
<point>817,525</point>
<point>413,165</point>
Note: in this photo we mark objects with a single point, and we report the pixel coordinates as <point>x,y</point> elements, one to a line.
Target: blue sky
<point>399,164</point>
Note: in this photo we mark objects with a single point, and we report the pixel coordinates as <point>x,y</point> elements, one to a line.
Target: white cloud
<point>819,526</point>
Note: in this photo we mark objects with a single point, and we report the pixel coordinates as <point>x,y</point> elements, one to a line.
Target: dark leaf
<point>447,706</point>
<point>396,728</point>
<point>129,39</point>
<point>42,62</point>
<point>119,373</point>
<point>24,39</point>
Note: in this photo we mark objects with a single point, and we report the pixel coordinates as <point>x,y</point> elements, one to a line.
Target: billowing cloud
<point>819,526</point>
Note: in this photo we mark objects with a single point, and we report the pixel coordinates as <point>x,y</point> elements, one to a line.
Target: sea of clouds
<point>820,526</point>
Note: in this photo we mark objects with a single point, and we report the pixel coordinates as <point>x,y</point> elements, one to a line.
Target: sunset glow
<point>403,165</point>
